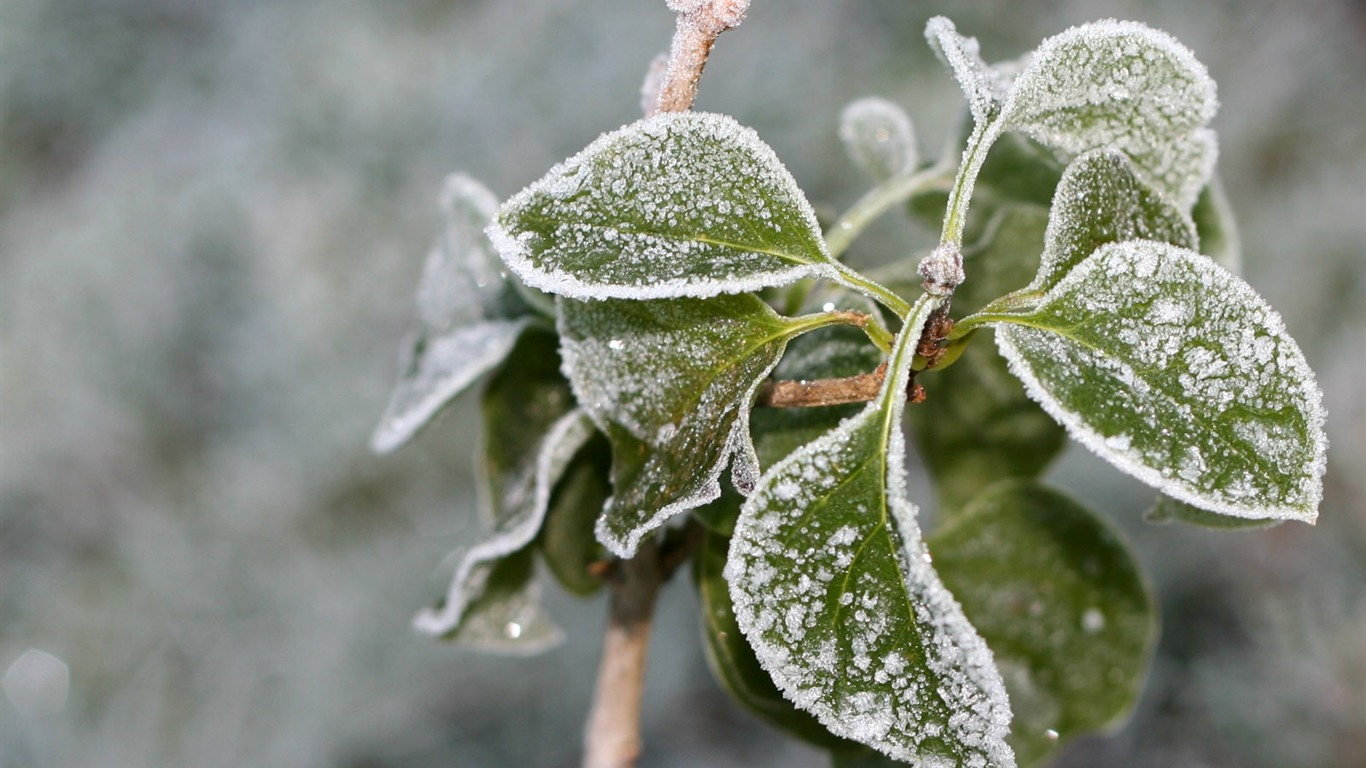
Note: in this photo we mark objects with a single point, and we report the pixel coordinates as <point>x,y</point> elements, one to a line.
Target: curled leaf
<point>671,384</point>
<point>984,87</point>
<point>469,317</point>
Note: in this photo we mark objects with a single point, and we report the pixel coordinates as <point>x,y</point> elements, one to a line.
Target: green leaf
<point>1121,85</point>
<point>1168,510</point>
<point>1102,200</point>
<point>506,616</point>
<point>671,384</point>
<point>984,87</point>
<point>977,425</point>
<point>530,436</point>
<point>1178,373</point>
<point>469,317</point>
<point>680,205</point>
<point>732,660</point>
<point>1217,226</point>
<point>566,540</point>
<point>1059,598</point>
<point>832,586</point>
<point>879,138</point>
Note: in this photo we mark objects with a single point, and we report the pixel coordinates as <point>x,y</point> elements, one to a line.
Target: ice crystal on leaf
<point>1177,372</point>
<point>677,205</point>
<point>1099,200</point>
<point>984,87</point>
<point>1124,86</point>
<point>832,585</point>
<point>671,383</point>
<point>469,316</point>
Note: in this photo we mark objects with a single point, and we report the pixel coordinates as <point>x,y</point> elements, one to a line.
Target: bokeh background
<point>212,219</point>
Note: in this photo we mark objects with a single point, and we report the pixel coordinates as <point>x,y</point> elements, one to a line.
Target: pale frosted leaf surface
<point>521,510</point>
<point>1100,200</point>
<point>1178,373</point>
<point>879,137</point>
<point>671,383</point>
<point>832,585</point>
<point>469,316</point>
<point>678,205</point>
<point>1062,603</point>
<point>984,87</point>
<point>1126,86</point>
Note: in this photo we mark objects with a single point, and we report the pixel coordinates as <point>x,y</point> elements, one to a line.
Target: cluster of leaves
<point>671,268</point>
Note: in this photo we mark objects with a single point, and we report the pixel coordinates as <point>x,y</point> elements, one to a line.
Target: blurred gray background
<point>212,219</point>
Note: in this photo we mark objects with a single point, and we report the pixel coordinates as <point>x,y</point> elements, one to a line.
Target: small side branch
<point>700,22</point>
<point>810,394</point>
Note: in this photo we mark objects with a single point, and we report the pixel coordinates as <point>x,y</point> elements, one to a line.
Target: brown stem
<point>612,737</point>
<point>810,394</point>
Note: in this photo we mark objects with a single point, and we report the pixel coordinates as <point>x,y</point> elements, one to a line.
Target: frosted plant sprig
<point>720,386</point>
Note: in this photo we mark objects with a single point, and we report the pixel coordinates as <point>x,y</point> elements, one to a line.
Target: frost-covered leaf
<point>984,87</point>
<point>832,585</point>
<point>1168,510</point>
<point>1125,86</point>
<point>1178,373</point>
<point>879,138</point>
<point>671,383</point>
<point>530,436</point>
<point>469,317</point>
<point>519,407</point>
<point>1100,200</point>
<point>567,542</point>
<point>680,205</point>
<point>731,658</point>
<point>1062,603</point>
<point>978,425</point>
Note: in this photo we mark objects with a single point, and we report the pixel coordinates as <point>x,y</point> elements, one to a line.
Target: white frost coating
<point>1122,85</point>
<point>1222,412</point>
<point>1100,199</point>
<point>984,87</point>
<point>678,205</point>
<point>891,663</point>
<point>879,138</point>
<point>468,319</point>
<point>515,530</point>
<point>671,383</point>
